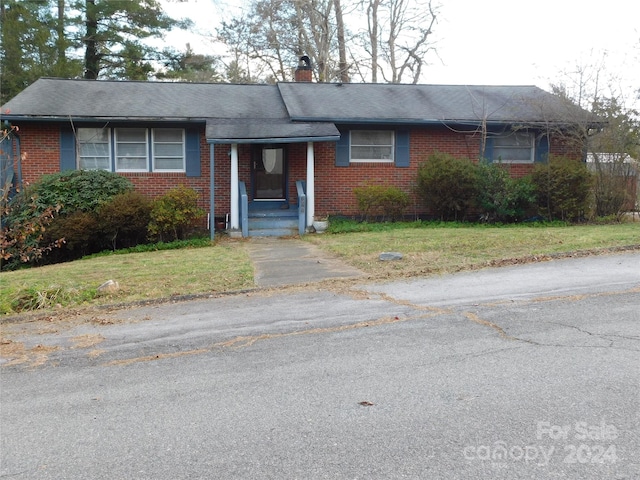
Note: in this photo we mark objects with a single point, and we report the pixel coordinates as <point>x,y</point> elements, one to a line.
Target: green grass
<point>428,248</point>
<point>439,248</point>
<point>141,276</point>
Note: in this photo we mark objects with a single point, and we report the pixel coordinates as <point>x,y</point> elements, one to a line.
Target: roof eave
<point>330,138</point>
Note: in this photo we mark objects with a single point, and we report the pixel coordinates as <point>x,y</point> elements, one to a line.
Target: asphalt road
<point>529,371</point>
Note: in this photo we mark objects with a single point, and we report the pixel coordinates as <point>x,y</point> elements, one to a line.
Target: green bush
<point>448,185</point>
<point>80,234</point>
<point>124,219</point>
<point>22,228</point>
<point>378,201</point>
<point>502,198</point>
<point>563,189</point>
<point>83,190</point>
<point>175,214</point>
<point>61,208</point>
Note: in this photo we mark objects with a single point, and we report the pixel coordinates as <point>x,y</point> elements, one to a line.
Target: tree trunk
<point>91,56</point>
<point>342,49</point>
<point>372,12</point>
<point>60,39</point>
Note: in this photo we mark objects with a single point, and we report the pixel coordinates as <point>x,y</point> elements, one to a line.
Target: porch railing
<point>302,206</point>
<point>244,209</point>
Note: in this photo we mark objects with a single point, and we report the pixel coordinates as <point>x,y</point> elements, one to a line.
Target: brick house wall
<point>40,144</point>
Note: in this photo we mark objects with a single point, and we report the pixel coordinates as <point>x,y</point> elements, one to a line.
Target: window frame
<point>117,143</point>
<point>531,147</point>
<point>392,146</point>
<point>79,144</point>
<point>154,157</point>
<point>113,142</point>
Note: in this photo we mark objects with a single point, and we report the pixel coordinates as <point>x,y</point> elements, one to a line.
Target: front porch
<point>271,198</point>
<point>272,218</point>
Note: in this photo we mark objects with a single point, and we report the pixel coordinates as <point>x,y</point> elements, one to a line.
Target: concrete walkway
<point>290,261</point>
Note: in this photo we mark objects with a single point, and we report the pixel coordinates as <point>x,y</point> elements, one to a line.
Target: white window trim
<point>373,160</point>
<point>146,147</point>
<point>532,150</point>
<point>184,152</point>
<point>109,147</point>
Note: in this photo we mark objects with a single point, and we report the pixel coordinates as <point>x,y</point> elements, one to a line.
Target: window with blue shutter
<point>192,152</point>
<point>67,149</point>
<point>402,148</point>
<point>509,147</point>
<point>342,150</point>
<point>124,149</point>
<point>542,148</point>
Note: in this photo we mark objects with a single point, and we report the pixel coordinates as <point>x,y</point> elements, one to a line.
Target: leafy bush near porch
<point>123,221</point>
<point>175,214</point>
<point>378,201</point>
<point>563,189</point>
<point>448,185</point>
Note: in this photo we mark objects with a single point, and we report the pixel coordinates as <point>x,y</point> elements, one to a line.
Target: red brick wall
<point>40,147</point>
<point>333,185</point>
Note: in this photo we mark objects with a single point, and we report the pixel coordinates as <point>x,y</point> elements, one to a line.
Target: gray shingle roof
<point>248,131</point>
<point>60,98</point>
<point>267,111</point>
<point>354,103</point>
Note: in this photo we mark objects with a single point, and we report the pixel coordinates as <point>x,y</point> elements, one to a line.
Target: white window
<point>372,146</point>
<point>168,150</point>
<point>513,147</point>
<point>132,150</point>
<point>94,149</point>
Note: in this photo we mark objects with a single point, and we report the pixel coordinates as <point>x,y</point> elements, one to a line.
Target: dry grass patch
<point>431,250</point>
<point>141,276</point>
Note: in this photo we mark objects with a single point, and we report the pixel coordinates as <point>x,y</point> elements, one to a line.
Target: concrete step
<point>273,223</point>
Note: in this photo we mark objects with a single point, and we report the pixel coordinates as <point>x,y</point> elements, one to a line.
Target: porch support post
<point>311,185</point>
<point>212,202</point>
<point>235,196</point>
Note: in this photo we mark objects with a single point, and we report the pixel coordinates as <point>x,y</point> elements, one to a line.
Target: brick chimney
<point>303,72</point>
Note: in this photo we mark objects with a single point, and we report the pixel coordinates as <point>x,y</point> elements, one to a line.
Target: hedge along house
<point>271,157</point>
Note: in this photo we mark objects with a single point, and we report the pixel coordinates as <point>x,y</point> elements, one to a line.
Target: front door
<point>268,171</point>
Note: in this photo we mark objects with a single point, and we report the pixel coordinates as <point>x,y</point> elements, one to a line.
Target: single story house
<point>265,156</point>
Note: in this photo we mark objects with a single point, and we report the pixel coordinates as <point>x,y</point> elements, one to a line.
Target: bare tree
<point>398,37</point>
<point>275,33</point>
<point>613,149</point>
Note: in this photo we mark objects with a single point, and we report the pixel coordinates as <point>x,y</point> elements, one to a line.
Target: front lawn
<point>225,266</point>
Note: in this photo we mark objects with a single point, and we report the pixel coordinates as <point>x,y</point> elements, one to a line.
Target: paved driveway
<point>522,372</point>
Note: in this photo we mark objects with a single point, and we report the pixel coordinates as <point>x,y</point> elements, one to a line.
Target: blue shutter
<point>67,149</point>
<point>192,150</point>
<point>542,149</point>
<point>342,150</point>
<point>488,150</point>
<point>402,148</point>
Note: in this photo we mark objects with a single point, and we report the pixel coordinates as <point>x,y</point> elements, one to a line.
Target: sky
<point>502,42</point>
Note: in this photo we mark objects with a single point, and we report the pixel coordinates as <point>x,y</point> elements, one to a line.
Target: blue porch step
<point>270,220</point>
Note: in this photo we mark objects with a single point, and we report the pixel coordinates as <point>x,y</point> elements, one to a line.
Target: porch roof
<point>242,130</point>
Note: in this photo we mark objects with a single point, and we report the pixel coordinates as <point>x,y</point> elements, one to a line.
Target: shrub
<point>80,233</point>
<point>502,198</point>
<point>563,189</point>
<point>83,190</point>
<point>448,185</point>
<point>175,214</point>
<point>58,210</point>
<point>123,220</point>
<point>21,236</point>
<point>387,202</point>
